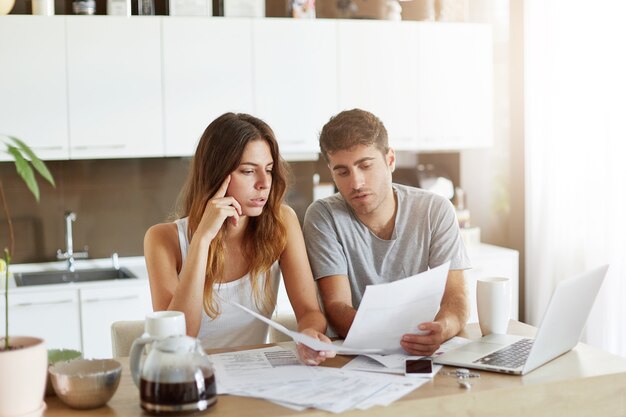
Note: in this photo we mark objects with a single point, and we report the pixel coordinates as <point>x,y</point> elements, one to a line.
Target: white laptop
<point>560,330</point>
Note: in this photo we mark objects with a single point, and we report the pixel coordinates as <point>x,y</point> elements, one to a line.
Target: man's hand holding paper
<point>388,312</point>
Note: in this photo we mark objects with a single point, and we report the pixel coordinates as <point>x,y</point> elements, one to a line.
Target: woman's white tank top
<point>233,327</point>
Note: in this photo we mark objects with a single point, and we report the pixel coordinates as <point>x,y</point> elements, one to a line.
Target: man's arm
<point>450,320</point>
<point>337,300</point>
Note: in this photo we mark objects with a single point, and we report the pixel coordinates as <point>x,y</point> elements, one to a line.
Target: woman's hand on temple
<point>309,356</point>
<point>217,210</point>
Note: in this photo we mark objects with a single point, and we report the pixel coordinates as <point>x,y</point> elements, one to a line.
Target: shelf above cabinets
<point>109,87</point>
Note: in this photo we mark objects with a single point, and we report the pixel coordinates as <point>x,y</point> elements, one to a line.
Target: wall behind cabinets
<point>115,201</point>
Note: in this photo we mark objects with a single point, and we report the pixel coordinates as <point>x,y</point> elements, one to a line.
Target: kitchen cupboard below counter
<point>78,315</point>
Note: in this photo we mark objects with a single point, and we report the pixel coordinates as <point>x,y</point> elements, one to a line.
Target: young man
<point>375,231</point>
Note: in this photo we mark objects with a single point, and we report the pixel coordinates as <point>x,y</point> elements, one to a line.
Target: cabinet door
<point>33,89</point>
<point>295,80</point>
<point>207,71</point>
<point>102,306</point>
<point>455,76</point>
<point>377,73</point>
<point>492,261</point>
<point>51,315</point>
<point>114,84</point>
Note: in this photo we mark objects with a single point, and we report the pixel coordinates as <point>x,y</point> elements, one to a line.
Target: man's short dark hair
<point>350,128</point>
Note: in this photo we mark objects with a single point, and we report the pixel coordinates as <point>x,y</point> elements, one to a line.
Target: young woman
<point>232,238</point>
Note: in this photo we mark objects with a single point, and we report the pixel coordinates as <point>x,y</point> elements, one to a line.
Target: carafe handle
<point>135,356</point>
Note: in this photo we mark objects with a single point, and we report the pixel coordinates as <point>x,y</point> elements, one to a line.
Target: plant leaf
<point>25,171</point>
<point>34,160</point>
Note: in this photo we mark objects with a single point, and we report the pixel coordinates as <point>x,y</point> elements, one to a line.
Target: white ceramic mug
<point>162,324</point>
<point>493,299</point>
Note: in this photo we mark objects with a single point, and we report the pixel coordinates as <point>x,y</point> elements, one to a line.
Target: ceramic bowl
<point>58,355</point>
<point>85,383</point>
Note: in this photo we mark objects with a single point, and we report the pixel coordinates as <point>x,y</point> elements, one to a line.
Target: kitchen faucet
<point>69,254</point>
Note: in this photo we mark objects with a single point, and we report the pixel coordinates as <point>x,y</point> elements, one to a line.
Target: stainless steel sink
<point>60,277</point>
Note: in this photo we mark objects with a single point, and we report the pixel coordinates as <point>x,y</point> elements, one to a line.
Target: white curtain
<point>575,133</point>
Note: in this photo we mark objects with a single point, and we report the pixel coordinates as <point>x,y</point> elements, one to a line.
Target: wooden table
<point>584,382</point>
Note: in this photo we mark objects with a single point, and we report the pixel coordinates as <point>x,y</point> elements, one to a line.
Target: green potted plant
<point>23,360</point>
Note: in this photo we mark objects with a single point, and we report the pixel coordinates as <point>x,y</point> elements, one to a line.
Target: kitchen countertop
<point>136,264</point>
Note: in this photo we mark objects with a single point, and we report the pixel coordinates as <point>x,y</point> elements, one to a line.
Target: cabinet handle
<point>85,147</point>
<point>98,300</point>
<point>43,303</point>
<point>47,148</point>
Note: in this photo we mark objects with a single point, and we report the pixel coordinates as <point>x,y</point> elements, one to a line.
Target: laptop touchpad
<point>481,347</point>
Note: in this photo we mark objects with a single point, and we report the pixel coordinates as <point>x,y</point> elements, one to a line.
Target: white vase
<point>6,6</point>
<point>23,377</point>
<point>43,7</point>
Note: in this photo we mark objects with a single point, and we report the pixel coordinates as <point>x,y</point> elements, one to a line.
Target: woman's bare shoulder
<point>162,234</point>
<point>288,214</point>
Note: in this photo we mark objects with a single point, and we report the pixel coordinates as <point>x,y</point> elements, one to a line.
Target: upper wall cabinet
<point>295,80</point>
<point>114,87</point>
<point>33,90</point>
<point>378,73</point>
<point>207,71</point>
<point>455,86</point>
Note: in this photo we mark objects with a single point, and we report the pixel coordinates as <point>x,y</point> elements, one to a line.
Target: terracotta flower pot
<point>23,376</point>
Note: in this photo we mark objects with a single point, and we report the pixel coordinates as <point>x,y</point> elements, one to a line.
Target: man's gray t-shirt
<point>426,235</point>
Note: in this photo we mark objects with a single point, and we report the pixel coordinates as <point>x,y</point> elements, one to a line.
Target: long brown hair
<point>218,154</point>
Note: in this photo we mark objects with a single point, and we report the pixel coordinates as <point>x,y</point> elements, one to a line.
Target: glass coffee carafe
<point>176,376</point>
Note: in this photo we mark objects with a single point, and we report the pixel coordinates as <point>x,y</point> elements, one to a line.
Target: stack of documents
<point>275,374</point>
<point>387,311</point>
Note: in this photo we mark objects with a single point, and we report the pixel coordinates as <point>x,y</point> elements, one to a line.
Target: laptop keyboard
<point>512,356</point>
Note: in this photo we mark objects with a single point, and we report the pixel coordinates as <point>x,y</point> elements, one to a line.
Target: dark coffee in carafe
<point>168,397</point>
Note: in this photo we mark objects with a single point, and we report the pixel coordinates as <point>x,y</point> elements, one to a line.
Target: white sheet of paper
<point>387,311</point>
<point>396,360</point>
<point>232,369</point>
<point>269,373</point>
<point>366,364</point>
<point>394,363</point>
<point>314,344</point>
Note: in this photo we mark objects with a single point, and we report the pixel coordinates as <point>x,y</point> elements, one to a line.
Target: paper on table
<point>367,364</point>
<point>314,344</point>
<point>387,311</point>
<point>234,370</point>
<point>394,363</point>
<point>271,374</point>
<point>396,360</point>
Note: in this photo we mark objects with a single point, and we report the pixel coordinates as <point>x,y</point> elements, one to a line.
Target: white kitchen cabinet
<point>207,71</point>
<point>51,315</point>
<point>378,73</point>
<point>114,87</point>
<point>492,261</point>
<point>100,307</point>
<point>295,79</point>
<point>455,86</point>
<point>118,87</point>
<point>33,88</point>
